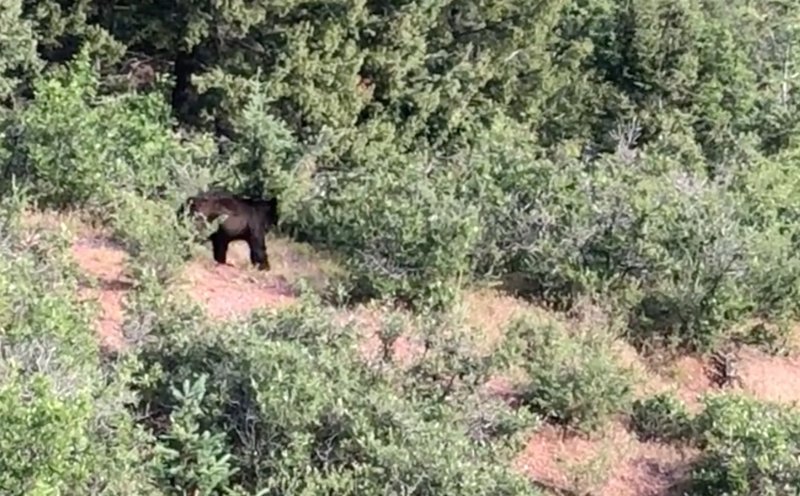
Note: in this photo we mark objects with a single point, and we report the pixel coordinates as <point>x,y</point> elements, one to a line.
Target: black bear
<point>247,219</point>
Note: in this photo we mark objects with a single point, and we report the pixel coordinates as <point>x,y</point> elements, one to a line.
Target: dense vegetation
<point>640,154</point>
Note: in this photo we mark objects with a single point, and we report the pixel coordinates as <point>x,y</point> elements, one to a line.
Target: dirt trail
<point>105,262</point>
<point>224,291</point>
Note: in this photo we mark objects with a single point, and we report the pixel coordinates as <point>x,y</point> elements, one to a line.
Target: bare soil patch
<point>224,291</point>
<point>105,262</point>
<point>227,292</point>
<point>614,463</point>
<point>769,378</point>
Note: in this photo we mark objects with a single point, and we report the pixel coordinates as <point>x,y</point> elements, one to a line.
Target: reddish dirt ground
<point>614,463</point>
<point>227,291</point>
<point>224,291</point>
<point>105,262</point>
<point>770,378</point>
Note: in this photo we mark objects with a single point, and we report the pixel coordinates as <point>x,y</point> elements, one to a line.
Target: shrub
<point>572,380</point>
<point>766,191</point>
<point>672,249</point>
<point>152,235</point>
<point>81,148</point>
<point>532,214</point>
<point>451,369</point>
<point>695,253</point>
<point>660,417</point>
<point>404,231</point>
<point>712,262</point>
<point>748,448</point>
<point>301,414</point>
<point>682,255</point>
<point>192,460</point>
<point>19,57</point>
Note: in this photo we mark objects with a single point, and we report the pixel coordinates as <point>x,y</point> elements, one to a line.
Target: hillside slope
<point>612,462</point>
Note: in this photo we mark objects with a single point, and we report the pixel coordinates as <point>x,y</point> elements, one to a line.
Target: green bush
<point>694,254</point>
<point>748,448</point>
<point>711,262</point>
<point>18,56</point>
<point>79,147</point>
<point>571,380</point>
<point>766,191</point>
<point>531,211</point>
<point>450,370</point>
<point>661,417</point>
<point>684,256</point>
<point>680,254</point>
<point>192,460</point>
<point>404,231</point>
<point>151,233</point>
<point>300,413</point>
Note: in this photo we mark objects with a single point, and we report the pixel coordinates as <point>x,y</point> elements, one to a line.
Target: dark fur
<point>248,219</point>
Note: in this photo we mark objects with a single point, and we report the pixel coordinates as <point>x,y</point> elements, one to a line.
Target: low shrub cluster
<point>661,417</point>
<point>79,146</point>
<point>571,379</point>
<point>683,256</point>
<point>282,395</point>
<point>404,229</point>
<point>747,446</point>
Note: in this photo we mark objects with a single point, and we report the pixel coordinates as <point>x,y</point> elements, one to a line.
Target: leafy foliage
<point>18,57</point>
<point>288,397</point>
<point>81,148</point>
<point>571,380</point>
<point>65,423</point>
<point>407,234</point>
<point>749,447</point>
<point>642,153</point>
<point>662,416</point>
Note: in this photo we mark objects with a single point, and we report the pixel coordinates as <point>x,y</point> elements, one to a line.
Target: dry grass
<point>491,311</point>
<point>289,261</point>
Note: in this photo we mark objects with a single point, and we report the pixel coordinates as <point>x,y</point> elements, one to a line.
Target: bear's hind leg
<point>258,252</point>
